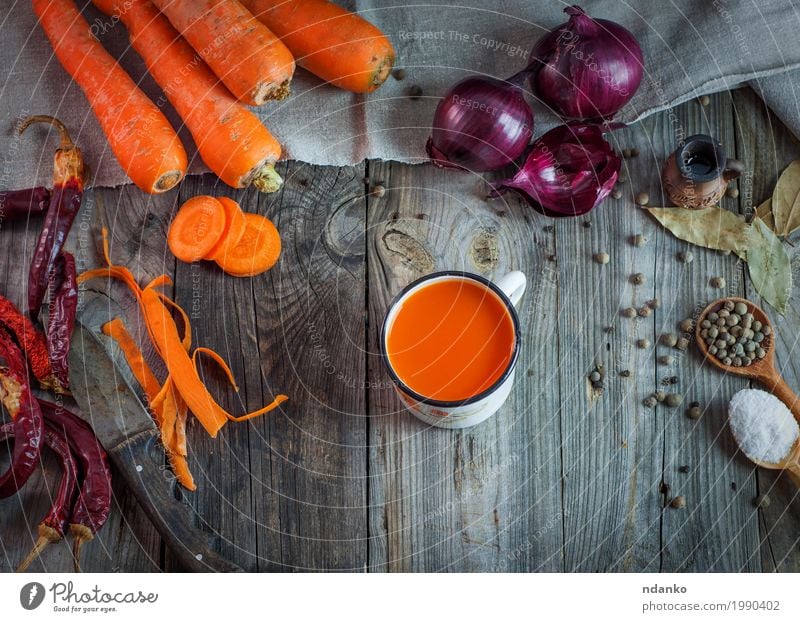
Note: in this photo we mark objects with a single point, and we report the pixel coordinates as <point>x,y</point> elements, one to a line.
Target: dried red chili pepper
<point>61,319</point>
<point>94,500</point>
<point>32,342</point>
<point>20,204</point>
<point>16,395</point>
<point>52,527</point>
<point>68,177</point>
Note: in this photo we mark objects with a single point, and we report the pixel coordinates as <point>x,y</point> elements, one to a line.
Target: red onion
<point>482,124</point>
<point>568,172</point>
<point>586,68</point>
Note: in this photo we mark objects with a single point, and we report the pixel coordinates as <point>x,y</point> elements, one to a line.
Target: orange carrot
<point>167,407</point>
<point>210,414</point>
<point>133,355</point>
<point>338,46</point>
<point>140,136</point>
<point>250,60</point>
<point>235,226</point>
<point>173,350</point>
<point>256,252</point>
<point>231,140</point>
<point>196,228</point>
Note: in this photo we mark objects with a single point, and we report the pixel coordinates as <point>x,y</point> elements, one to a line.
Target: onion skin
<point>586,69</point>
<point>481,124</point>
<point>568,172</point>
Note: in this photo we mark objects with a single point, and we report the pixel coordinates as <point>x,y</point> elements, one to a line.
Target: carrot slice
<point>256,252</point>
<point>235,226</point>
<point>133,355</point>
<point>196,228</point>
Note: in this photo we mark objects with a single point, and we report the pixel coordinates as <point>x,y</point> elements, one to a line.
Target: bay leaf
<point>710,227</point>
<point>786,200</point>
<point>764,212</point>
<point>769,265</point>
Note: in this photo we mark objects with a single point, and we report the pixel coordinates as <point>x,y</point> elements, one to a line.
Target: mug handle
<point>513,285</point>
<point>733,169</point>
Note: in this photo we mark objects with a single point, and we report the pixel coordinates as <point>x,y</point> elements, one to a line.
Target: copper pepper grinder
<point>697,174</point>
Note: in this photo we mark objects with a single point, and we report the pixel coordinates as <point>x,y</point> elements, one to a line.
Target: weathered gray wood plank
<point>717,530</point>
<point>486,498</point>
<point>767,146</point>
<point>287,491</point>
<point>611,445</point>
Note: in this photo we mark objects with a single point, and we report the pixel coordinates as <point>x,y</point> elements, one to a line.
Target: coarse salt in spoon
<point>765,431</point>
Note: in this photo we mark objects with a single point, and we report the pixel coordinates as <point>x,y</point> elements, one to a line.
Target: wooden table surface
<point>342,478</point>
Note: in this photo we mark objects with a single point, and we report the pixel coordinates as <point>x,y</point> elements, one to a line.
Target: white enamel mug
<point>478,408</point>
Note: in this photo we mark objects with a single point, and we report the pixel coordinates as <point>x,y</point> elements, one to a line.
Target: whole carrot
<point>143,141</point>
<point>331,42</point>
<point>232,141</point>
<point>249,59</point>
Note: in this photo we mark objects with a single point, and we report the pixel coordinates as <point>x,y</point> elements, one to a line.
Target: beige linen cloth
<point>691,47</point>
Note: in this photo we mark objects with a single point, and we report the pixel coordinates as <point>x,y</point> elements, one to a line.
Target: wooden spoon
<point>762,370</point>
<point>790,463</point>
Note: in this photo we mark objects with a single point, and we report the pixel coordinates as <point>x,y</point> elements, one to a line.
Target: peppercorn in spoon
<point>718,319</point>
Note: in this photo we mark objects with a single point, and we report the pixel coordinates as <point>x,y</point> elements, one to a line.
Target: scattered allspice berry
<point>414,92</point>
<point>645,311</point>
<point>686,325</point>
<point>638,278</point>
<point>761,501</point>
<point>628,312</point>
<point>642,198</point>
<point>660,396</point>
<point>378,191</point>
<point>673,400</point>
<point>704,100</point>
<point>625,373</point>
<point>717,282</point>
<point>686,256</point>
<point>732,193</point>
<point>622,178</point>
<point>666,359</point>
<point>638,240</point>
<point>655,303</point>
<point>634,152</point>
<point>399,74</point>
<point>669,339</point>
<point>678,502</point>
<point>617,194</point>
<point>601,258</point>
<point>694,412</point>
<point>664,488</point>
<point>595,376</point>
<point>626,153</point>
<point>683,343</point>
<point>643,343</point>
<point>650,402</point>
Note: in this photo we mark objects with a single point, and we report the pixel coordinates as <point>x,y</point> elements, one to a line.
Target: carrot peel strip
<point>133,355</point>
<point>219,360</point>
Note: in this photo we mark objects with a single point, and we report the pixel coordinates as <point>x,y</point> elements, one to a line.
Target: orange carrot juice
<point>451,339</point>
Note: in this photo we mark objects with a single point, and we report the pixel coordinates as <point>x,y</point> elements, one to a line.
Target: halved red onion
<point>568,172</point>
<point>587,68</point>
<point>482,124</point>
